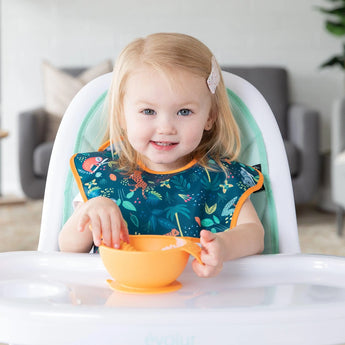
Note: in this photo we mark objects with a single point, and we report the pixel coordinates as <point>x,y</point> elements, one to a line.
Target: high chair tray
<point>63,299</point>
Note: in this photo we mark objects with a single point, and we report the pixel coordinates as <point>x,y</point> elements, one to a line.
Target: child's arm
<point>100,214</point>
<point>246,238</point>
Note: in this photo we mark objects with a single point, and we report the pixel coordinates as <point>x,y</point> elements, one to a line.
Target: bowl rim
<point>168,250</point>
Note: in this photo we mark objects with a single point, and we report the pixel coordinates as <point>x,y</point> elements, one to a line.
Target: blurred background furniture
<point>38,127</point>
<point>6,200</point>
<point>34,152</point>
<point>35,147</point>
<point>338,160</point>
<point>298,125</point>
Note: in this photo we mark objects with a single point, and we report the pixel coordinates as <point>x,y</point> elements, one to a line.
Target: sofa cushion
<point>60,86</point>
<point>272,84</point>
<point>41,159</point>
<point>292,153</point>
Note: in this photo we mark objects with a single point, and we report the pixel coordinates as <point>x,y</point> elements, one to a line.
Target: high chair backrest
<point>82,130</point>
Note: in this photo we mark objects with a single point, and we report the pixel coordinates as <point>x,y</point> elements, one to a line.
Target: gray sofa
<point>34,150</point>
<point>299,127</point>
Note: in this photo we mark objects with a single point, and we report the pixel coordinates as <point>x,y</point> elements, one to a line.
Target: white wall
<point>85,32</point>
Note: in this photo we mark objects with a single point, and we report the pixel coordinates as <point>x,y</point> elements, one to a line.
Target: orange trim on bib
<point>104,146</point>
<point>244,197</point>
<point>77,177</point>
<point>187,166</point>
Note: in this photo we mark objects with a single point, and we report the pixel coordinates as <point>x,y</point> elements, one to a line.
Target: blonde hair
<point>164,52</point>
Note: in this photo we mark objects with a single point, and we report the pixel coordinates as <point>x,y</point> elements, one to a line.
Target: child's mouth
<point>163,145</point>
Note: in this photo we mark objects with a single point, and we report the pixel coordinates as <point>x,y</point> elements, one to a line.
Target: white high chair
<point>49,297</point>
<point>256,121</point>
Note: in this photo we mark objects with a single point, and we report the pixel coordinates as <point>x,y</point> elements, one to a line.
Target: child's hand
<point>104,218</point>
<point>212,255</point>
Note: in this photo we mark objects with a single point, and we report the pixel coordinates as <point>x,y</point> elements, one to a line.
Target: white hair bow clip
<point>214,77</point>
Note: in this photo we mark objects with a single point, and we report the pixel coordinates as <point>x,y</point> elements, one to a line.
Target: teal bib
<point>178,203</point>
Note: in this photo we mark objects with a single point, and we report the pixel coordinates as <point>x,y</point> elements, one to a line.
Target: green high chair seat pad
<point>253,152</point>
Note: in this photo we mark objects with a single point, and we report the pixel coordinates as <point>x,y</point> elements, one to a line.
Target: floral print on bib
<point>178,203</point>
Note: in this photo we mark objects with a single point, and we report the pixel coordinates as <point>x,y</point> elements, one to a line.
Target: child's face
<point>165,119</point>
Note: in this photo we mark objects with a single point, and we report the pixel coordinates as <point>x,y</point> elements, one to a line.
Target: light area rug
<point>318,232</point>
<point>20,226</point>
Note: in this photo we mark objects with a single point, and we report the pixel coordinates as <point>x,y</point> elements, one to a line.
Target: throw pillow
<point>59,89</point>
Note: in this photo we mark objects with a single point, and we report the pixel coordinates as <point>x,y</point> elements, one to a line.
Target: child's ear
<point>209,123</point>
<point>122,122</point>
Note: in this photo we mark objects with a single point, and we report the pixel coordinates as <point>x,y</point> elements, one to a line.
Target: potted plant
<point>335,25</point>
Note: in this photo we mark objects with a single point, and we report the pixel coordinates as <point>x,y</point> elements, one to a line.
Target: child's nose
<point>166,125</point>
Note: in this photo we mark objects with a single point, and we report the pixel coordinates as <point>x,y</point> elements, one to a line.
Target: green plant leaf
<point>335,60</point>
<point>339,11</point>
<point>129,195</point>
<point>207,222</point>
<point>134,220</point>
<point>128,205</point>
<point>179,208</point>
<point>335,28</point>
<point>216,219</point>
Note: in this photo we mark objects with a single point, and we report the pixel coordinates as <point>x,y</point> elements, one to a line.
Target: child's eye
<point>148,112</point>
<point>184,112</point>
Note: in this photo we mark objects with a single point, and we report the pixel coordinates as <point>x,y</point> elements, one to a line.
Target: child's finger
<point>106,230</point>
<point>124,235</point>
<point>207,236</point>
<point>206,240</point>
<point>206,256</point>
<point>83,222</point>
<point>209,253</point>
<point>198,269</point>
<point>205,271</point>
<point>96,231</point>
<point>115,230</point>
<point>210,259</point>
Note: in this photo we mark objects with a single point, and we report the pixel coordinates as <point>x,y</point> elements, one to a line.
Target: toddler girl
<point>170,165</point>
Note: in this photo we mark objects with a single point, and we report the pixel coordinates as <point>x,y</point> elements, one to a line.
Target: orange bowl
<point>156,262</point>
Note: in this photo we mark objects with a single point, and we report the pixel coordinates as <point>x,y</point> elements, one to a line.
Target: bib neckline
<point>183,168</point>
